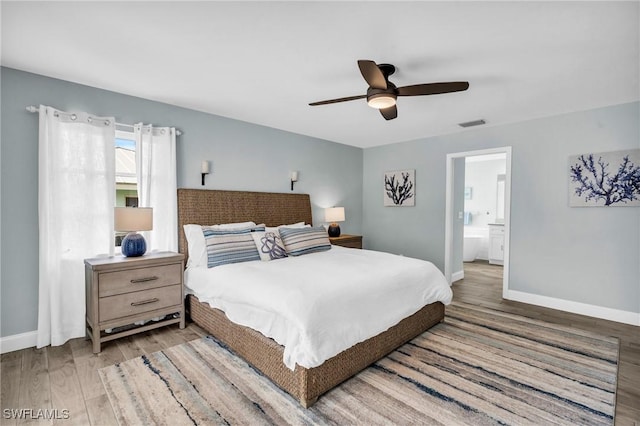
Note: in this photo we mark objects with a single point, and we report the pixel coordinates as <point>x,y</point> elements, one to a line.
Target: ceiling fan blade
<point>333,101</point>
<point>372,74</point>
<point>433,88</point>
<point>389,113</point>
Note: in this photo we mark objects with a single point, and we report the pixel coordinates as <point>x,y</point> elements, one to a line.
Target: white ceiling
<point>263,62</point>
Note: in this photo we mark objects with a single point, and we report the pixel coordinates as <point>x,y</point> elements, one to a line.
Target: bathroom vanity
<point>496,243</point>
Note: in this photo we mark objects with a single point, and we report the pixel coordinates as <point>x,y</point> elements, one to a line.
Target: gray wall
<point>244,156</point>
<point>587,255</point>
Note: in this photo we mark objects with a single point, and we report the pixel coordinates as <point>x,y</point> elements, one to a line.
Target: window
<point>126,174</point>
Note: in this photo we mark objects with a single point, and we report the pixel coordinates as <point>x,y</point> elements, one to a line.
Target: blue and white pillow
<point>230,246</point>
<point>196,244</point>
<point>299,241</point>
<point>269,245</point>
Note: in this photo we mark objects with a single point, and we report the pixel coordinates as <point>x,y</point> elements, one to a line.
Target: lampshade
<point>131,219</point>
<point>334,214</point>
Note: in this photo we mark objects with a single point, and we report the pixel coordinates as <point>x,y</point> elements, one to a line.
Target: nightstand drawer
<point>123,305</point>
<point>112,283</point>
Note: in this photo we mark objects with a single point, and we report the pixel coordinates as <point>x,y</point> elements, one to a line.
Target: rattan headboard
<point>210,207</point>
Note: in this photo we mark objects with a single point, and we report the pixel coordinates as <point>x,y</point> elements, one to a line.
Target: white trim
<point>601,312</point>
<point>457,276</point>
<point>448,225</point>
<point>18,341</point>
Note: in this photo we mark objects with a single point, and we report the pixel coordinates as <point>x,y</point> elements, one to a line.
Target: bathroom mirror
<point>500,199</point>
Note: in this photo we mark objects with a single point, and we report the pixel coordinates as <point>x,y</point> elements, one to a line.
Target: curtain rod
<point>32,108</point>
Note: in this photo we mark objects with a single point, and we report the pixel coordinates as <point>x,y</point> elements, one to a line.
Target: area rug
<point>477,367</point>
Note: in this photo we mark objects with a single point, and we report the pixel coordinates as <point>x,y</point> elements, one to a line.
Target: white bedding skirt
<point>320,304</point>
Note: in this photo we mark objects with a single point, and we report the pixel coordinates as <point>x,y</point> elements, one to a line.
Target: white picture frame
<point>399,188</point>
<point>605,179</point>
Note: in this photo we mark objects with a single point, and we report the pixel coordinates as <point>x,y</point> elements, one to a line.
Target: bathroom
<point>484,202</point>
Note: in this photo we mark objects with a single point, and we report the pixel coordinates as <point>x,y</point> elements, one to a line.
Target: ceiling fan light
<point>381,101</point>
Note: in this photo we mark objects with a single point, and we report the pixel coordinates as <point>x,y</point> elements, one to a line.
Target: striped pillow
<point>230,245</point>
<point>300,241</point>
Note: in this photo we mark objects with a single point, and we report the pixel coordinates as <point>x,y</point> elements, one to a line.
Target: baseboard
<point>18,341</point>
<point>617,315</point>
<point>457,276</point>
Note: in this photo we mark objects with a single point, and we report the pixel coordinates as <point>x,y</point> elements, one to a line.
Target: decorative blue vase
<point>133,245</point>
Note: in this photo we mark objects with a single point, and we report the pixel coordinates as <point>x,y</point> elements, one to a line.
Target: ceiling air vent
<point>472,123</point>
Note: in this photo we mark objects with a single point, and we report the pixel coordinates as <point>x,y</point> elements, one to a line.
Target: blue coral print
<point>607,179</point>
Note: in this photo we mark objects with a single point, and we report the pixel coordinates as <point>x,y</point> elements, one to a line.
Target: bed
<point>208,207</point>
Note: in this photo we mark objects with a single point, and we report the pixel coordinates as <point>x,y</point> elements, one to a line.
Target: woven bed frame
<point>208,207</point>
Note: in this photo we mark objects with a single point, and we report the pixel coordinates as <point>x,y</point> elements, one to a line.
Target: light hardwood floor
<point>66,377</point>
<point>482,285</point>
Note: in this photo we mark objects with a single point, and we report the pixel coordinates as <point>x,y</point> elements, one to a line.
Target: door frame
<point>448,238</point>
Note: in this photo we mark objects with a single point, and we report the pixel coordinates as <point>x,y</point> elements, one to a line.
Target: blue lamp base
<point>133,245</point>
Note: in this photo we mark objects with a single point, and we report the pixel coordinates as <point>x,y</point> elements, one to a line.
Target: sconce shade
<point>204,170</point>
<point>294,176</point>
<point>131,219</point>
<point>334,214</point>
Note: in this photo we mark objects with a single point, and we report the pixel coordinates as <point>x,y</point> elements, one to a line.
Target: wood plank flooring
<point>482,285</point>
<point>66,377</point>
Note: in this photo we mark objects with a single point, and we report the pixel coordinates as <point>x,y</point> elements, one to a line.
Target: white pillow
<point>293,225</point>
<point>196,244</point>
<point>269,245</point>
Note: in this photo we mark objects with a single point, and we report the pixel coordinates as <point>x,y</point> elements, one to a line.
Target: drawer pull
<point>144,302</point>
<point>143,280</point>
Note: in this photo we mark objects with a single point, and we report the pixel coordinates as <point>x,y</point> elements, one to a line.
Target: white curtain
<point>157,184</point>
<point>76,195</point>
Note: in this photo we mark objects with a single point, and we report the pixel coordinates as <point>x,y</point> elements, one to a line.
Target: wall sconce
<point>204,170</point>
<point>294,178</point>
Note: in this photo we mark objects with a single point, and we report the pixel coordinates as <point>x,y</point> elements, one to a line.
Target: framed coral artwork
<point>400,188</point>
<point>605,179</point>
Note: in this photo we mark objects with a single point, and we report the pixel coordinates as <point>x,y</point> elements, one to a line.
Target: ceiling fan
<point>382,93</point>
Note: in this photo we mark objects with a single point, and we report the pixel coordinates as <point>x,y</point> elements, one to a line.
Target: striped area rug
<point>479,367</point>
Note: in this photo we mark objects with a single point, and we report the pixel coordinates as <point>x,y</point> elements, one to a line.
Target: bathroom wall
<point>481,178</point>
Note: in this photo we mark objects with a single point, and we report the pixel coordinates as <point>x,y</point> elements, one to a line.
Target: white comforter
<point>320,304</point>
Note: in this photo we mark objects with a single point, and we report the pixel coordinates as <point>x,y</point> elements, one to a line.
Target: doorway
<point>478,208</point>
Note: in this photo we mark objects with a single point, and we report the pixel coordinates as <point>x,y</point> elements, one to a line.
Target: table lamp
<point>132,219</point>
<point>334,215</point>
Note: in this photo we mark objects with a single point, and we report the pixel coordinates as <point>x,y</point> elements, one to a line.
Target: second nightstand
<point>345,240</point>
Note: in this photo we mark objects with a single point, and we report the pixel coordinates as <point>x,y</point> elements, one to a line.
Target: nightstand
<point>128,295</point>
<point>345,240</point>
